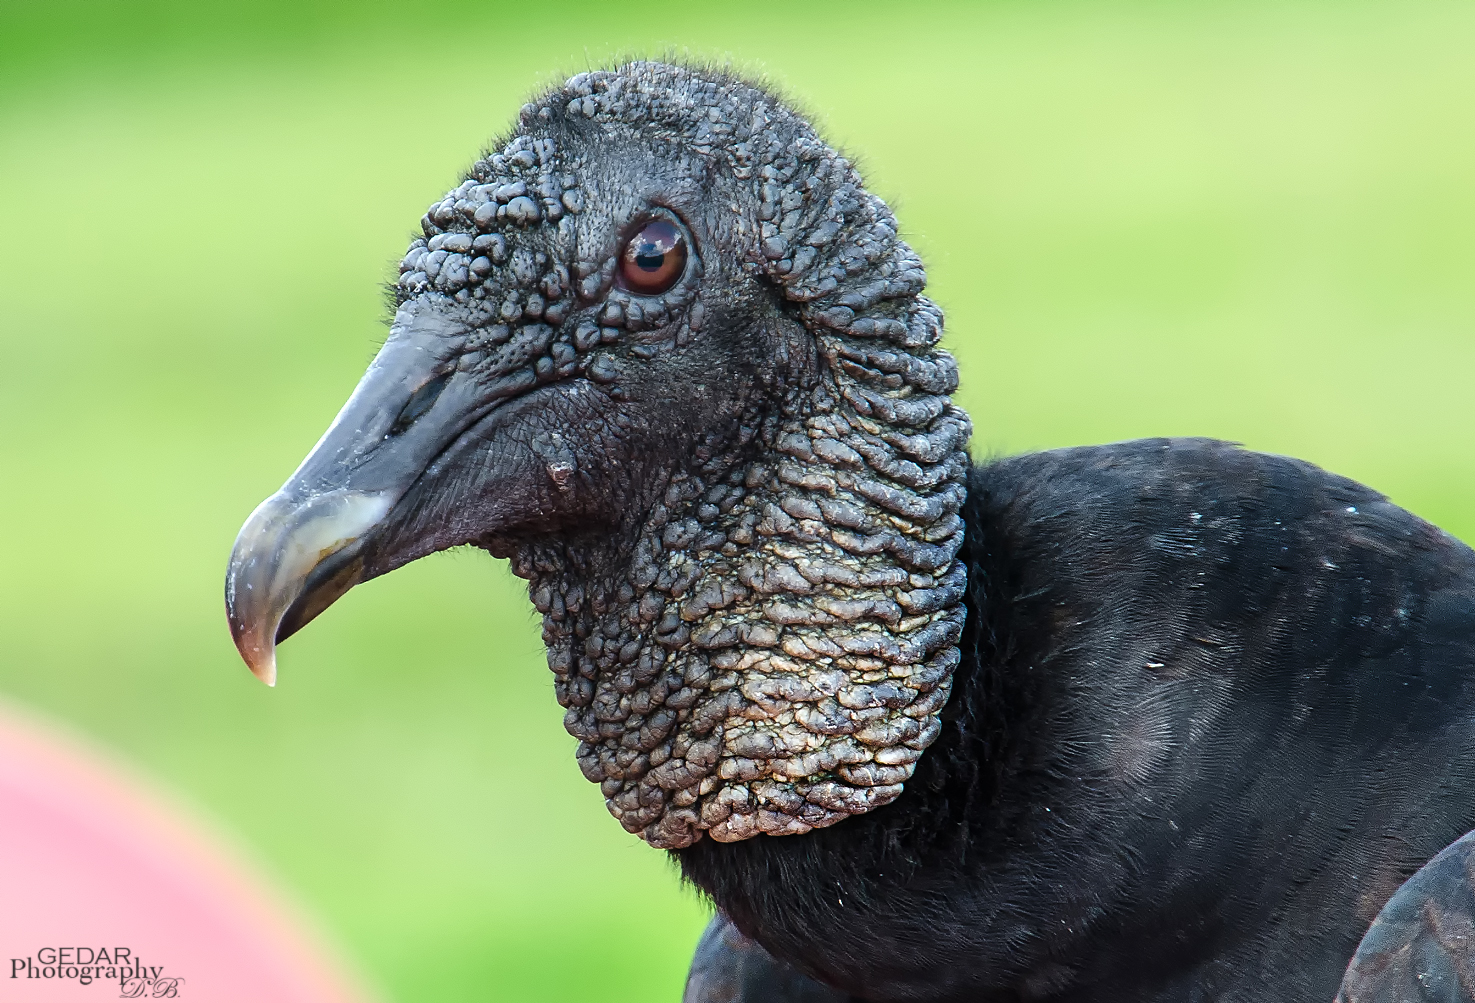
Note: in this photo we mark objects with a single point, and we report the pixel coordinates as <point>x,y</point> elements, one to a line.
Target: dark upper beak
<point>316,538</point>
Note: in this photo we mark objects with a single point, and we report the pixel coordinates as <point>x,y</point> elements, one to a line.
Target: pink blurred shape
<point>92,858</point>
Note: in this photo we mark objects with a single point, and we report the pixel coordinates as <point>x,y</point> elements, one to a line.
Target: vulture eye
<point>654,258</point>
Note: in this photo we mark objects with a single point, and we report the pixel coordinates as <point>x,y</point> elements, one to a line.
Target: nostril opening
<point>420,401</point>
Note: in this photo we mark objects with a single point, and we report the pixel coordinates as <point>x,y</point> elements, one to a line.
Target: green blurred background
<point>1252,220</point>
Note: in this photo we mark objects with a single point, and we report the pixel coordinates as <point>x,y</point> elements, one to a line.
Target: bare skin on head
<point>664,352</point>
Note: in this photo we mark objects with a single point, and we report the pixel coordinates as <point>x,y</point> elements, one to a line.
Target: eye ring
<point>653,258</point>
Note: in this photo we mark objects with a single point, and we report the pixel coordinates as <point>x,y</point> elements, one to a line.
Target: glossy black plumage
<point>1214,707</point>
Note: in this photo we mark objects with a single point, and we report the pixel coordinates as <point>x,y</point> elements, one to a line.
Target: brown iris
<point>654,258</point>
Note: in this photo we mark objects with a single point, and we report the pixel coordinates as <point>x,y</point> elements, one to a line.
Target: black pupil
<point>650,251</point>
<point>649,257</point>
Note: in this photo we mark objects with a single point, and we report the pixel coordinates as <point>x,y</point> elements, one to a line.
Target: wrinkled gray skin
<point>736,502</point>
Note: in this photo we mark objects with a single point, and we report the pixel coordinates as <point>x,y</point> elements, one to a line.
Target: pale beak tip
<point>260,658</point>
<point>266,671</point>
<point>284,541</point>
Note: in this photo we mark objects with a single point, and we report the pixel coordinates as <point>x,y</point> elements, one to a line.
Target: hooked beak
<point>277,561</point>
<point>323,532</point>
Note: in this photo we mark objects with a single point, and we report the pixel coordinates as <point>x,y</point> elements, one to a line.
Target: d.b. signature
<point>161,988</point>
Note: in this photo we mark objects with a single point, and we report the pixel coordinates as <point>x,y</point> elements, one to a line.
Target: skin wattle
<point>1159,721</point>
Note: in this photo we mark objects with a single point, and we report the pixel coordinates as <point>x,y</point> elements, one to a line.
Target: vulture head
<point>664,352</point>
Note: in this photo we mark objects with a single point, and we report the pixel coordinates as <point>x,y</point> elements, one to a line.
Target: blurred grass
<point>1252,220</point>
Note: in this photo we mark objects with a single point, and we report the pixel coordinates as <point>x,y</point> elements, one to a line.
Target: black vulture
<point>1160,720</point>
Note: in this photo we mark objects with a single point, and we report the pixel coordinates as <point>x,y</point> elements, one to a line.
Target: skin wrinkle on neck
<point>772,651</point>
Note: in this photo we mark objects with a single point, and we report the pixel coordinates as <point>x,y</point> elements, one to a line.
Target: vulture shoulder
<point>1422,945</point>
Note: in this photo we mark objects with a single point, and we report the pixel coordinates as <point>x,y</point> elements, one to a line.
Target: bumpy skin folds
<point>772,651</point>
<point>1159,721</point>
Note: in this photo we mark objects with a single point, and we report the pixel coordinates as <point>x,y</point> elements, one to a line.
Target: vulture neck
<point>773,653</point>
